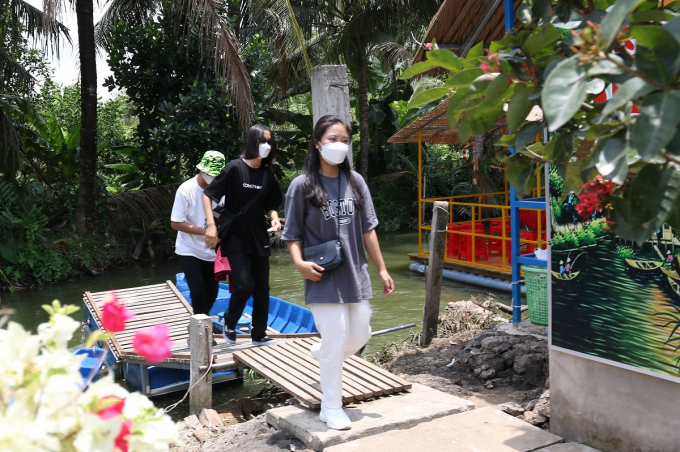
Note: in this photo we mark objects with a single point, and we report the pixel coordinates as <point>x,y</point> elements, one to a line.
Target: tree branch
<point>670,158</point>
<point>635,73</point>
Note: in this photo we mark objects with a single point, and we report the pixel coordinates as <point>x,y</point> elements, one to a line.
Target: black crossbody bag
<point>225,218</point>
<point>327,255</point>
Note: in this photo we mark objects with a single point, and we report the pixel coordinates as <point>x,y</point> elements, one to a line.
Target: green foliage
<point>564,240</point>
<point>556,183</point>
<point>600,228</point>
<point>539,64</point>
<point>182,108</point>
<point>395,197</point>
<point>33,254</point>
<point>585,236</point>
<point>625,252</point>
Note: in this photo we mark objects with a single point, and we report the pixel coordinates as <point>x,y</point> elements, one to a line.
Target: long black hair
<point>254,137</point>
<point>313,189</point>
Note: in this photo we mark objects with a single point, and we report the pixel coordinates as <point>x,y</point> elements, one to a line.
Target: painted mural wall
<point>613,300</point>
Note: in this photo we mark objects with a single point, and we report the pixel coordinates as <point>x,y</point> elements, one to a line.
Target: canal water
<point>404,306</point>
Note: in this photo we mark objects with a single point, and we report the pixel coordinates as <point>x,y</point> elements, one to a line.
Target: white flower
<point>42,406</point>
<point>58,331</point>
<point>153,434</point>
<point>18,348</point>
<point>97,434</point>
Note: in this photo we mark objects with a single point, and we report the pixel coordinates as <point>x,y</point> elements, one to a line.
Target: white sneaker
<point>315,350</point>
<point>336,419</point>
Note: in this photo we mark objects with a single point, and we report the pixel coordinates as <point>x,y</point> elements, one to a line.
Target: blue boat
<point>93,365</point>
<point>152,380</point>
<point>284,317</point>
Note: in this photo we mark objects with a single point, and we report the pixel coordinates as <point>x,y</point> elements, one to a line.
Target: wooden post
<point>433,285</point>
<point>200,344</point>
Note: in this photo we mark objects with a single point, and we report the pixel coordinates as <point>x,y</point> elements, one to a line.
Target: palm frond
<point>289,68</point>
<point>12,70</point>
<point>134,12</point>
<point>11,144</point>
<point>215,33</point>
<point>39,25</point>
<point>388,50</point>
<point>149,205</point>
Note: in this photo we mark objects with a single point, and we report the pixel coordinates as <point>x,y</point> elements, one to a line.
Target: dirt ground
<point>427,366</point>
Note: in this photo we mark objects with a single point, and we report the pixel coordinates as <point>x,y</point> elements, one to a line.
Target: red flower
<point>114,314</point>
<point>110,406</point>
<point>594,196</point>
<point>153,344</point>
<point>428,46</point>
<point>121,439</point>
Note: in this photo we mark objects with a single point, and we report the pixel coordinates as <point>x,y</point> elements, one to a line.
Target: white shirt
<point>188,208</point>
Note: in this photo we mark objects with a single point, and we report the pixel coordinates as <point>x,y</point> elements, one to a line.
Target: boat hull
<point>93,365</point>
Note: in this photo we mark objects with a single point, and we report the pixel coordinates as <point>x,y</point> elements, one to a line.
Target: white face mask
<point>334,153</point>
<point>207,178</point>
<point>264,149</point>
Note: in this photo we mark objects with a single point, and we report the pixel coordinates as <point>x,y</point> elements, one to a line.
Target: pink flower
<point>153,344</point>
<point>110,406</point>
<point>121,439</point>
<point>486,67</point>
<point>114,314</point>
<point>428,46</point>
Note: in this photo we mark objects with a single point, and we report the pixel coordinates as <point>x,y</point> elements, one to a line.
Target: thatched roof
<point>434,128</point>
<point>460,24</point>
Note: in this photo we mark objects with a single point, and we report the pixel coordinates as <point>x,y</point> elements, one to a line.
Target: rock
<point>531,405</point>
<point>209,418</point>
<point>487,374</point>
<point>192,421</point>
<point>534,418</point>
<point>543,405</point>
<point>511,408</point>
<point>201,434</point>
<point>249,407</point>
<point>489,385</point>
<point>491,342</point>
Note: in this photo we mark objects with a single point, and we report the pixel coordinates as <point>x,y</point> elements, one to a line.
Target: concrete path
<point>388,414</point>
<point>483,430</point>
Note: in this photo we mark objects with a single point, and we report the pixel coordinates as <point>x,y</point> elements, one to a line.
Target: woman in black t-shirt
<point>246,243</point>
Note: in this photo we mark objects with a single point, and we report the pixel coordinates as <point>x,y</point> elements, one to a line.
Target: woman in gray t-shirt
<point>330,202</point>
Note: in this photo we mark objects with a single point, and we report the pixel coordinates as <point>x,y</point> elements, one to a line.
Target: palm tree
<point>218,44</point>
<point>19,120</point>
<point>310,32</point>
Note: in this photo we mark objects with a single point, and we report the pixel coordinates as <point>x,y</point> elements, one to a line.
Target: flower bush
<point>561,56</point>
<point>43,406</point>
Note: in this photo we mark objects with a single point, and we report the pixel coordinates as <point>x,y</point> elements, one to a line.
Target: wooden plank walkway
<point>163,303</point>
<point>291,366</point>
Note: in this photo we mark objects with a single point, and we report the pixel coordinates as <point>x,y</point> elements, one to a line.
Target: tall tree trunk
<point>85,215</point>
<point>363,113</point>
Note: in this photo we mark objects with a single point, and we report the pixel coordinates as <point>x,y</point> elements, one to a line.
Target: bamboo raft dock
<point>289,364</point>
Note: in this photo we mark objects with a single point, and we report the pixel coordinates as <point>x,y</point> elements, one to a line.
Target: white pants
<point>344,328</point>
